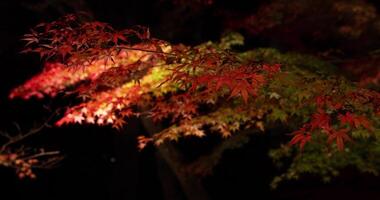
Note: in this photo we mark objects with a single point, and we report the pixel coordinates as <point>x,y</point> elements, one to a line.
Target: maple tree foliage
<point>342,32</point>
<point>201,90</point>
<point>132,74</point>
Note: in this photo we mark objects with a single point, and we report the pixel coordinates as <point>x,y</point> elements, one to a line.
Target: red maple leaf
<point>64,50</point>
<point>118,36</point>
<point>300,137</point>
<point>354,120</point>
<point>118,123</point>
<point>320,120</point>
<point>244,89</point>
<point>340,137</point>
<point>272,69</point>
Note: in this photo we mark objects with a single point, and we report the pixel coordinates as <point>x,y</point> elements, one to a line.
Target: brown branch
<point>146,50</point>
<point>20,137</point>
<point>41,154</point>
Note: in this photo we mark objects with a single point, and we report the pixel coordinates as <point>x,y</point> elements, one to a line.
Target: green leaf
<point>278,114</point>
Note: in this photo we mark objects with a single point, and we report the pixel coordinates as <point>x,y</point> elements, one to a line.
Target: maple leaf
<point>301,137</point>
<point>363,121</point>
<point>78,119</point>
<point>242,88</point>
<point>30,39</point>
<point>274,95</point>
<point>278,114</point>
<point>143,141</point>
<point>347,118</point>
<point>272,69</point>
<point>337,106</point>
<point>118,36</point>
<point>127,113</point>
<point>90,120</point>
<point>320,120</point>
<point>354,120</point>
<point>64,50</point>
<point>260,125</point>
<point>65,120</point>
<point>219,83</point>
<point>340,138</point>
<point>118,123</point>
<point>257,79</point>
<point>321,101</point>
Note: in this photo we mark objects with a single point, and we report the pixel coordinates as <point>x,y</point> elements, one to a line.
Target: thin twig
<point>42,154</point>
<point>146,50</point>
<point>19,137</point>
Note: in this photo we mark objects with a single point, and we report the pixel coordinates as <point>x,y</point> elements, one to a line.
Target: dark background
<point>102,163</point>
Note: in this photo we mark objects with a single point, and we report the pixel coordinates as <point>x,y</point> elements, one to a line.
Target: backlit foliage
<point>201,90</point>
